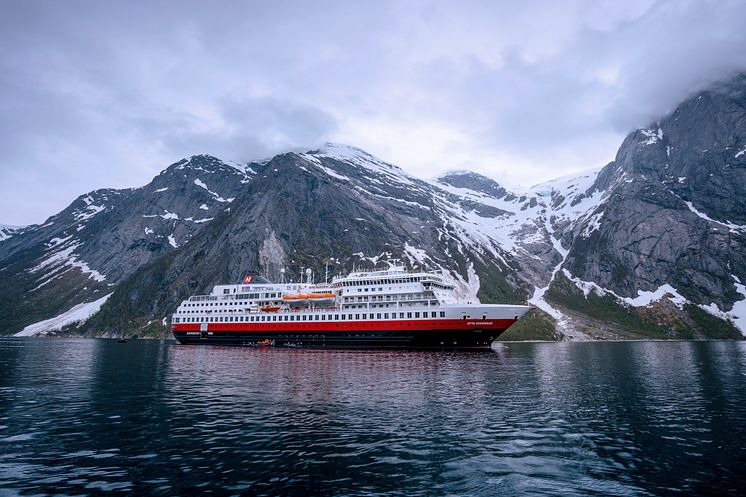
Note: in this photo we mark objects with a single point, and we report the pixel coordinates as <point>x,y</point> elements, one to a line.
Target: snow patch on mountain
<point>201,184</point>
<point>738,313</point>
<point>727,224</point>
<point>63,256</point>
<point>89,211</point>
<point>466,289</point>
<point>653,135</point>
<point>593,224</point>
<point>643,299</point>
<point>76,315</point>
<point>415,254</point>
<point>172,241</point>
<point>362,159</point>
<point>7,231</point>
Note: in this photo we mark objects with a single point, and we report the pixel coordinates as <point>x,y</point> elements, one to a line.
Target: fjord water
<point>151,417</point>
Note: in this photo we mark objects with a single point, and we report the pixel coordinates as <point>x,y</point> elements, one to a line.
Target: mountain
<point>336,206</point>
<point>672,226</point>
<point>651,245</point>
<point>80,254</point>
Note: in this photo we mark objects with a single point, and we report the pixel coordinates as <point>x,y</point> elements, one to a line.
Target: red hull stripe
<point>289,326</point>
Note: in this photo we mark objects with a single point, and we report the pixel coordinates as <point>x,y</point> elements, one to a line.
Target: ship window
<point>385,315</point>
<point>432,314</point>
<point>378,316</point>
<point>442,314</point>
<point>416,314</point>
<point>336,317</point>
<point>357,316</point>
<point>365,316</point>
<point>409,314</point>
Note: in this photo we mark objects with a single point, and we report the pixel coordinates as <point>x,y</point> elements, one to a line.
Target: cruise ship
<point>387,309</point>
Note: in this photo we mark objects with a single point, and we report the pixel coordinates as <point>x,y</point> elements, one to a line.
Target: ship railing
<point>381,273</point>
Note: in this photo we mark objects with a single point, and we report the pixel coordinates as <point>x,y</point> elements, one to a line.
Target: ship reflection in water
<point>147,417</point>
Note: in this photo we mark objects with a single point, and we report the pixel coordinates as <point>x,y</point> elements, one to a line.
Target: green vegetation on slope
<point>535,325</point>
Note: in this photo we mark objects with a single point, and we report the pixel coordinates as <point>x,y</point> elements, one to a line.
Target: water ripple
<point>94,416</point>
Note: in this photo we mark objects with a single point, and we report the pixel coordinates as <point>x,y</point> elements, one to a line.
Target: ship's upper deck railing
<point>384,273</point>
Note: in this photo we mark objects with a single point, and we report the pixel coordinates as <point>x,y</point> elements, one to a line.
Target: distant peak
<point>472,181</point>
<point>461,172</point>
<point>341,151</point>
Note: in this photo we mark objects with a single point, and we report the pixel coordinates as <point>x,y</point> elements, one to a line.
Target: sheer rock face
<point>676,210</point>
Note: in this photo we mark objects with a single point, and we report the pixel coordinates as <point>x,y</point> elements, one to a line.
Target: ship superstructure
<point>391,308</point>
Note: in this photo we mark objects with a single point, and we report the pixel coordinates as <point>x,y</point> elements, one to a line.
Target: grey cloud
<point>96,94</point>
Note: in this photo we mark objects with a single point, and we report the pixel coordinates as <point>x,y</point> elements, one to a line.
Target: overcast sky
<point>104,94</point>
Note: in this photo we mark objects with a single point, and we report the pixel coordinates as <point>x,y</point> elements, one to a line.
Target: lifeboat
<point>295,300</point>
<point>269,308</point>
<point>265,343</point>
<point>321,299</point>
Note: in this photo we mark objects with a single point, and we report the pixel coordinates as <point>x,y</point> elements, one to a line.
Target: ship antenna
<point>326,274</point>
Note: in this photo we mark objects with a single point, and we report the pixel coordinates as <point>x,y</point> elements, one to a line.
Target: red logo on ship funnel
<point>247,279</point>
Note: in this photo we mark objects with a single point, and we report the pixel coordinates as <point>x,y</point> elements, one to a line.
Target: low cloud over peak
<point>97,94</point>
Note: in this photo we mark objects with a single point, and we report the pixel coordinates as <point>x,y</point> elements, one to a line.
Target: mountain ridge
<point>629,250</point>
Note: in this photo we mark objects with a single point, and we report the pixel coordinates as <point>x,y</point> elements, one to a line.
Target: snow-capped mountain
<point>80,254</point>
<point>650,245</point>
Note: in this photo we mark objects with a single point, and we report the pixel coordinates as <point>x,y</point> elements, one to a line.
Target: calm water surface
<point>648,418</point>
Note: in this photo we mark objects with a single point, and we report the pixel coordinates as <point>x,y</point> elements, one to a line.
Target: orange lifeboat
<point>296,299</point>
<point>269,308</point>
<point>321,298</point>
